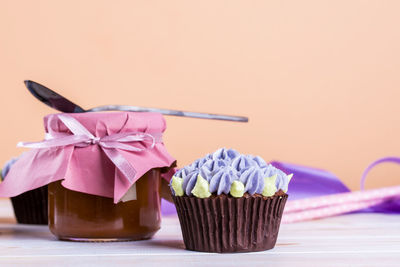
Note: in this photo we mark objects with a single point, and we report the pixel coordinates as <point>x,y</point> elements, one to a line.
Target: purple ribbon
<point>309,182</point>
<point>391,205</point>
<point>110,144</point>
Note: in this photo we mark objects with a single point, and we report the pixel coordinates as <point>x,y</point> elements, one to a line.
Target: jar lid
<point>101,154</point>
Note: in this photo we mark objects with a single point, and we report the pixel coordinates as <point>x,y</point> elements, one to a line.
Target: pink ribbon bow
<point>110,144</point>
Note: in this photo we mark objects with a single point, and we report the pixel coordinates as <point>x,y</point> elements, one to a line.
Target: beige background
<point>318,79</point>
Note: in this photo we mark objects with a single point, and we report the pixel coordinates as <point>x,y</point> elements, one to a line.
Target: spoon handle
<point>170,112</point>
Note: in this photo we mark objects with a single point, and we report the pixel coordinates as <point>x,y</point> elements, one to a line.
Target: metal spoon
<point>62,104</point>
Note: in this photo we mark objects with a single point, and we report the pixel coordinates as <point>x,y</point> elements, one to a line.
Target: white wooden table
<point>350,240</point>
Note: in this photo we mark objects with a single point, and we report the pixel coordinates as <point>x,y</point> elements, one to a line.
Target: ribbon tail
<point>390,205</point>
<point>55,142</point>
<point>121,163</point>
<point>373,164</point>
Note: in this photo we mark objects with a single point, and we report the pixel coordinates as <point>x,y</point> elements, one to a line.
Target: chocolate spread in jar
<point>84,217</point>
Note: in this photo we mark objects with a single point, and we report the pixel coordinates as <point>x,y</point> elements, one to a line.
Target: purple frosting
<point>224,166</point>
<point>225,154</point>
<point>242,163</point>
<point>189,182</point>
<point>253,180</point>
<point>260,161</point>
<point>222,180</point>
<point>211,167</point>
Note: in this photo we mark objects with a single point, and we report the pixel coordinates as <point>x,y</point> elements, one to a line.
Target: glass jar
<point>78,216</point>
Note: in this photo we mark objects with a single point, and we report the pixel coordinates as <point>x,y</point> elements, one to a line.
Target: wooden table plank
<point>350,240</point>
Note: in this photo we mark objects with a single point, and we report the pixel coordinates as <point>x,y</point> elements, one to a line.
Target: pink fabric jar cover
<point>101,154</point>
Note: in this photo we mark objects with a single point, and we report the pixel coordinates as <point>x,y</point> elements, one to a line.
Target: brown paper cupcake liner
<point>31,206</point>
<point>227,224</point>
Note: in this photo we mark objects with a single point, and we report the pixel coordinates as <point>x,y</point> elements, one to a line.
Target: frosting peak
<point>242,163</point>
<point>222,180</point>
<point>226,171</point>
<point>225,154</point>
<point>253,180</point>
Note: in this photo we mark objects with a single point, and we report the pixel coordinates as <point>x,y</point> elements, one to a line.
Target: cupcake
<point>29,207</point>
<point>229,202</point>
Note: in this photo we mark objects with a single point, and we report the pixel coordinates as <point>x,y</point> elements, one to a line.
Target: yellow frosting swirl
<point>176,184</point>
<point>201,188</point>
<point>237,189</point>
<point>270,186</point>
